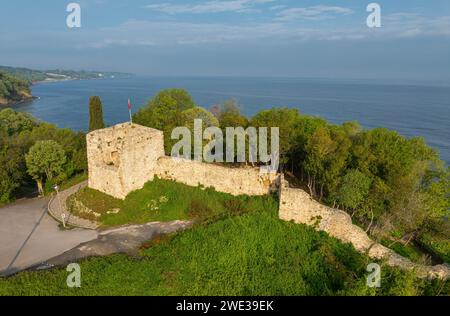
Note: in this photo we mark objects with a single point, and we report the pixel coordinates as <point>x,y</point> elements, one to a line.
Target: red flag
<point>129,104</point>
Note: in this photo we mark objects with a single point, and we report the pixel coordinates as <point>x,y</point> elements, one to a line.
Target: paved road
<point>28,236</point>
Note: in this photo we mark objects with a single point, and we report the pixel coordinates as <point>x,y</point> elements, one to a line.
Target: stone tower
<point>123,158</point>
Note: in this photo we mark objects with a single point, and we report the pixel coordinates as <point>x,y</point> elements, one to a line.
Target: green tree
<point>13,122</point>
<point>207,117</point>
<point>352,128</point>
<point>229,115</point>
<point>95,114</point>
<point>74,145</point>
<point>165,112</point>
<point>44,161</point>
<point>353,189</point>
<point>319,148</point>
<point>165,109</point>
<point>11,171</point>
<point>286,120</point>
<point>189,115</point>
<point>327,155</point>
<point>304,129</point>
<point>405,174</point>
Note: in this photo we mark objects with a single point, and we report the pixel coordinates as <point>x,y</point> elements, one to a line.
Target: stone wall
<point>123,158</point>
<point>298,206</point>
<point>235,181</point>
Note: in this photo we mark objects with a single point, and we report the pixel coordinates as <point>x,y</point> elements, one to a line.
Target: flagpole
<point>129,111</point>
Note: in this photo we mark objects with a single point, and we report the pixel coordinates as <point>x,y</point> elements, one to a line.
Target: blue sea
<point>412,109</point>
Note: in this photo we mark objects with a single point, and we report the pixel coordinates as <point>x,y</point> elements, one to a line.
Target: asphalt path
<point>29,236</point>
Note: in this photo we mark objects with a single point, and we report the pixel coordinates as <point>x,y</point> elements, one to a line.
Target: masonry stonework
<point>123,158</point>
<point>235,181</point>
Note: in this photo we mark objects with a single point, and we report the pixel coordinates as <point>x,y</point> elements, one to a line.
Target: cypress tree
<point>95,114</point>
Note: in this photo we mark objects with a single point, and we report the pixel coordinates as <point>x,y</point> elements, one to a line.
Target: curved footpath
<point>57,208</point>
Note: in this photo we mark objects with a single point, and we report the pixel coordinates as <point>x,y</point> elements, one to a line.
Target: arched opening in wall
<point>111,159</point>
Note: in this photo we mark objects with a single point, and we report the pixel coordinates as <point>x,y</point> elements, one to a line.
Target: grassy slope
<point>182,200</point>
<point>163,200</point>
<point>251,254</point>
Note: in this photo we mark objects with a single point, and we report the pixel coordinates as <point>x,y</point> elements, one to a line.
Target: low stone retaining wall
<point>298,206</point>
<point>57,207</point>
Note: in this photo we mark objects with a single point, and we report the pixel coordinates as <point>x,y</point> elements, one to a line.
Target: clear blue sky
<point>287,38</point>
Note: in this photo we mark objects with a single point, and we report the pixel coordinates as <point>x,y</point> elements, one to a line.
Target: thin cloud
<point>410,25</point>
<point>121,42</point>
<point>155,35</point>
<point>216,6</point>
<point>319,12</point>
<point>172,33</point>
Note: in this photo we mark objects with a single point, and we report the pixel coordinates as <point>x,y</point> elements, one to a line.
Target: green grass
<point>430,247</point>
<point>408,251</point>
<point>251,254</point>
<point>437,244</point>
<point>164,200</point>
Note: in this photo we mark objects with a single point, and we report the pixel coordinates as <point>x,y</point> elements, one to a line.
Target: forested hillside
<point>13,89</point>
<point>15,82</point>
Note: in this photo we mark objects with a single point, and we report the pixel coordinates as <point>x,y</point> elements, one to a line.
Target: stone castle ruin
<point>124,157</point>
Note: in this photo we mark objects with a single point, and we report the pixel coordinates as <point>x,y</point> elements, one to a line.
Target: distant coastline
<point>20,80</point>
<point>49,80</point>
